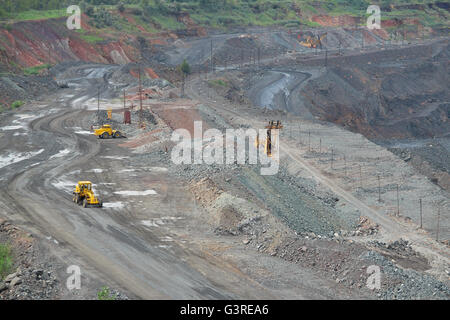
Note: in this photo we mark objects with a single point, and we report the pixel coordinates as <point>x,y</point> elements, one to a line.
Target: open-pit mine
<point>100,174</point>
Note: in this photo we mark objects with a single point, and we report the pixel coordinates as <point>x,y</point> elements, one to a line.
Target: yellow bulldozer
<point>105,131</point>
<point>84,195</point>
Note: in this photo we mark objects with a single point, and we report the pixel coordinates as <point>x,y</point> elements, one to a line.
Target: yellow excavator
<point>313,41</point>
<point>271,137</point>
<point>84,195</point>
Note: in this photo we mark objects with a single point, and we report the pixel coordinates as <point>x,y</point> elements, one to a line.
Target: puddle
<point>65,185</point>
<point>114,205</point>
<point>115,157</point>
<point>157,169</point>
<point>15,157</point>
<point>83,132</point>
<point>157,222</point>
<point>60,154</point>
<point>9,128</point>
<point>136,193</point>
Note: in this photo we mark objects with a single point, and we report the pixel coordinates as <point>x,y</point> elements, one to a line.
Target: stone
<point>10,277</point>
<point>3,287</point>
<point>15,282</point>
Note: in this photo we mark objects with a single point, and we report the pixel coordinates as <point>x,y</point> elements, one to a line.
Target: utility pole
<point>421,221</point>
<point>320,145</point>
<point>259,57</point>
<point>140,98</point>
<point>398,202</point>
<point>309,141</point>
<point>211,57</point>
<point>345,165</point>
<point>438,218</point>
<point>360,177</point>
<point>332,158</point>
<point>98,105</point>
<point>362,38</point>
<point>379,189</point>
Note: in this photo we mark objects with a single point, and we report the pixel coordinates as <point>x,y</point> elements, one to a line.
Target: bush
<point>17,104</point>
<point>105,294</point>
<point>90,11</point>
<point>121,7</point>
<point>6,262</point>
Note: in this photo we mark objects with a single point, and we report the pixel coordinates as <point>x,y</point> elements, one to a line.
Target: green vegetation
<point>105,294</point>
<point>17,104</point>
<point>218,83</point>
<point>6,261</point>
<point>37,15</point>
<point>35,70</point>
<point>154,15</point>
<point>91,38</point>
<point>185,67</point>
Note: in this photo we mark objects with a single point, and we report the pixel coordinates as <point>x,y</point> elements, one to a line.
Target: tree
<point>121,7</point>
<point>185,69</point>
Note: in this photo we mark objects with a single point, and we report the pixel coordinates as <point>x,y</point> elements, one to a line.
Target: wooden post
<point>320,145</point>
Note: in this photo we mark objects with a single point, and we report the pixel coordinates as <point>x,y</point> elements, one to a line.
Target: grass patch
<point>105,294</point>
<point>218,83</point>
<point>17,104</point>
<point>6,260</point>
<point>91,38</point>
<point>35,70</point>
<point>38,14</point>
